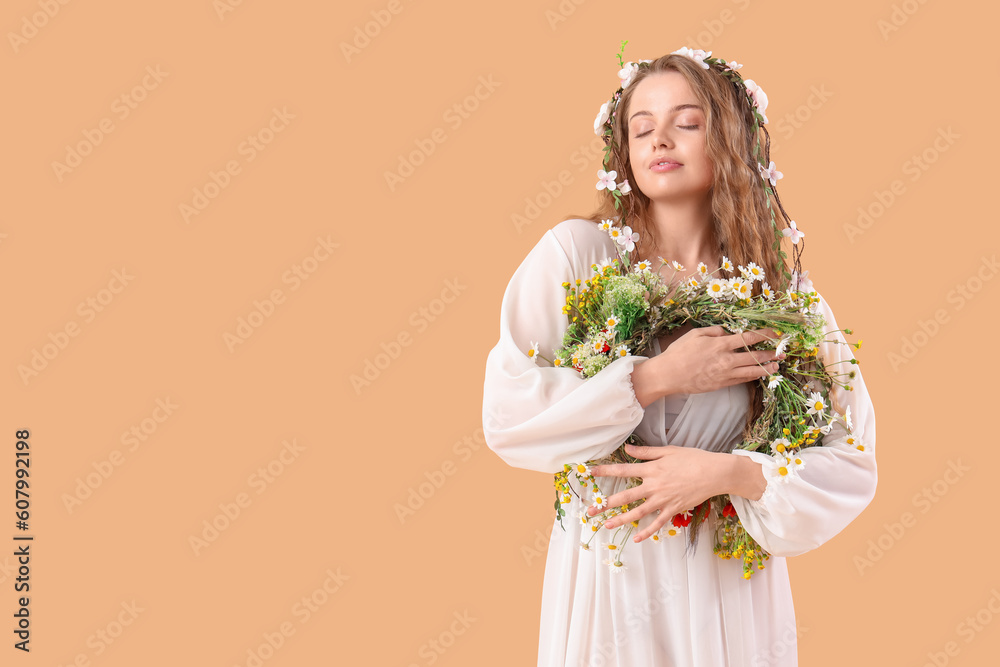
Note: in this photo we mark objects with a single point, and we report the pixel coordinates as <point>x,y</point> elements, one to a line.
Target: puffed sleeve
<point>838,480</point>
<point>537,416</point>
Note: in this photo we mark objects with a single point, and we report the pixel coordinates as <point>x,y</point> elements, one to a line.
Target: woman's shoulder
<point>583,240</point>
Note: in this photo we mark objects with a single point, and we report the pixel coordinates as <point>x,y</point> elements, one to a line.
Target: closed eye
<point>683,127</point>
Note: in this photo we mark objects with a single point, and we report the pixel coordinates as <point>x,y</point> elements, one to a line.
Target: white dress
<point>668,608</point>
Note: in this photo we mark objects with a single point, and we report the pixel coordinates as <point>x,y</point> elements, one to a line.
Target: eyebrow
<point>670,110</point>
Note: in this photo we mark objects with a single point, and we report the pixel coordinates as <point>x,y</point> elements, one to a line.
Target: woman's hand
<point>675,479</point>
<point>702,360</point>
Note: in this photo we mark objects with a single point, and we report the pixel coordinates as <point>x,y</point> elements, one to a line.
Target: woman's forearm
<point>650,382</point>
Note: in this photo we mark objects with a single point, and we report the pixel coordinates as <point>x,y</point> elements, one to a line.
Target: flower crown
<point>755,97</point>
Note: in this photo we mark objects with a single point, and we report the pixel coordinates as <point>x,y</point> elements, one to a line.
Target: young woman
<point>685,138</point>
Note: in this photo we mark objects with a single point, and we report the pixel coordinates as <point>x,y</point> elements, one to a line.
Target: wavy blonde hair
<point>741,220</point>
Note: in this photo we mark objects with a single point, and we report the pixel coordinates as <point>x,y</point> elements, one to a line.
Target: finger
<point>751,337</point>
<point>633,514</point>
<point>643,451</point>
<point>717,330</point>
<point>616,470</point>
<point>766,358</point>
<point>653,526</point>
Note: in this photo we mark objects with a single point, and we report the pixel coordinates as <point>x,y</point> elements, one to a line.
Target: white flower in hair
<point>606,179</point>
<point>602,118</point>
<point>624,187</point>
<point>695,54</point>
<point>733,66</point>
<point>770,174</point>
<point>804,284</point>
<point>627,73</point>
<point>759,97</point>
<point>793,232</point>
<point>628,238</point>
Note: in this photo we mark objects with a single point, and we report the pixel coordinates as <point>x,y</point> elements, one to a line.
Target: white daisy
<point>672,530</point>
<point>702,269</point>
<point>612,321</point>
<point>693,281</point>
<point>717,288</point>
<point>605,225</point>
<point>782,344</point>
<point>599,502</point>
<point>741,288</point>
<point>753,272</point>
<point>783,470</point>
<point>766,292</point>
<point>780,446</point>
<point>797,463</point>
<point>677,265</point>
<point>533,352</point>
<point>615,565</point>
<point>621,351</point>
<point>847,418</point>
<point>773,381</point>
<point>643,265</point>
<point>816,404</point>
<point>726,264</point>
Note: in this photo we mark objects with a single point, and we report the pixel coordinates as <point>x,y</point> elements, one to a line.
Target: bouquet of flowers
<point>622,308</point>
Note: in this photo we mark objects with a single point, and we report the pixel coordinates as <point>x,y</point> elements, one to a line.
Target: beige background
<point>851,104</point>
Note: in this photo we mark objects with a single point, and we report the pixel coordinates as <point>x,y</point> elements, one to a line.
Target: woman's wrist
<point>650,382</point>
<point>742,476</point>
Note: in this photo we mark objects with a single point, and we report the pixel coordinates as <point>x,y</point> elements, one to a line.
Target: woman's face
<point>666,123</point>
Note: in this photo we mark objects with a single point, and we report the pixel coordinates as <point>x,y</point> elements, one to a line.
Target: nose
<point>662,136</point>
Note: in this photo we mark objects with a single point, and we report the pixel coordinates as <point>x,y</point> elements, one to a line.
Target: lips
<point>664,160</point>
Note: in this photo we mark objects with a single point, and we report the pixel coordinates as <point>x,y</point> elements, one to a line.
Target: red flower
<point>729,510</point>
<point>682,519</point>
<point>607,348</point>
